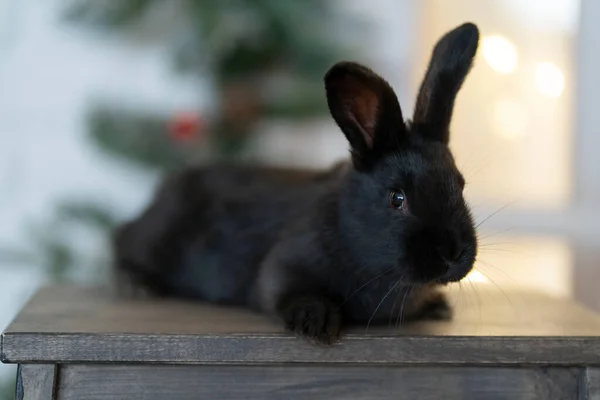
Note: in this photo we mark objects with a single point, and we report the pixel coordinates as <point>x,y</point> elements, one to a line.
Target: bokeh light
<point>549,79</point>
<point>500,53</point>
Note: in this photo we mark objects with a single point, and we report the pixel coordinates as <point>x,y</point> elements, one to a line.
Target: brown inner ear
<point>362,106</point>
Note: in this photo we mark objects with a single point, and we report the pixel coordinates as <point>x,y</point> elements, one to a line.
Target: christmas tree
<point>264,58</point>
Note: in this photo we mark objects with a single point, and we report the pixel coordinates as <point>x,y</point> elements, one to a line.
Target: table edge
<point>26,347</point>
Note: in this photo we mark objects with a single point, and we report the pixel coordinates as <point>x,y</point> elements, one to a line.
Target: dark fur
<point>318,249</point>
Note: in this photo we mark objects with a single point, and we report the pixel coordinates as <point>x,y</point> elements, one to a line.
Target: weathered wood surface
<point>78,324</point>
<point>36,382</point>
<point>291,382</point>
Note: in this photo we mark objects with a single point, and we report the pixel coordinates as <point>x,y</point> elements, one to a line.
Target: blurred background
<point>99,98</point>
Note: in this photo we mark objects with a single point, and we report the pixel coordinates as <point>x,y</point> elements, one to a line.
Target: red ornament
<point>185,127</point>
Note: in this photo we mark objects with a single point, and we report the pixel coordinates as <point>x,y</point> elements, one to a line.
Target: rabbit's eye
<point>397,199</point>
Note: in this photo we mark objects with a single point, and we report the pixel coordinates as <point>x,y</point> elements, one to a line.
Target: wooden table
<point>82,343</point>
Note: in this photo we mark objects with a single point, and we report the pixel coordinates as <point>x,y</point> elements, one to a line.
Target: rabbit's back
<point>207,229</point>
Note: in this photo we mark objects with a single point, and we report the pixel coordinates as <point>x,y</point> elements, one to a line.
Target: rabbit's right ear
<point>366,109</point>
<point>449,65</point>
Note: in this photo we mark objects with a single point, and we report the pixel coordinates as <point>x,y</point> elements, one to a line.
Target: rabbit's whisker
<point>493,214</point>
<point>401,312</point>
<point>364,285</point>
<point>394,286</point>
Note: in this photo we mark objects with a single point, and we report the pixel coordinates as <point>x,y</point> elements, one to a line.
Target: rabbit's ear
<point>366,109</point>
<point>450,63</point>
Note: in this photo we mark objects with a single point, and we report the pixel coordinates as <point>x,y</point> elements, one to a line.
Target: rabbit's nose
<point>458,252</point>
<point>452,250</point>
<point>451,255</point>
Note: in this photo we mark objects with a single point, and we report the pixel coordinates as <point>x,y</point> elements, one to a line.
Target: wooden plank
<point>84,382</point>
<point>253,349</point>
<point>36,382</point>
<point>71,324</point>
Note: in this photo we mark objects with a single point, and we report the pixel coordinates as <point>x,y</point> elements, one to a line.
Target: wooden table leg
<point>591,384</point>
<point>36,382</point>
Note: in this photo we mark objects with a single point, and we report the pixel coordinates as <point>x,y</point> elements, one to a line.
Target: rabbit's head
<point>402,206</point>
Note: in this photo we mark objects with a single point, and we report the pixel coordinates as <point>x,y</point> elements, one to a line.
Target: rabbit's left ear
<point>366,109</point>
<point>450,63</point>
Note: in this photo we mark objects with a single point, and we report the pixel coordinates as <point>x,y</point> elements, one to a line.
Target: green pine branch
<point>139,139</point>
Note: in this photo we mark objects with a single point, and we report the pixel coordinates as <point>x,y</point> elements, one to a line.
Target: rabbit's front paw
<point>316,319</point>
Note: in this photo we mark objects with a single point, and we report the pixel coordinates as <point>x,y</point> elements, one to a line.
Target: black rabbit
<point>368,241</point>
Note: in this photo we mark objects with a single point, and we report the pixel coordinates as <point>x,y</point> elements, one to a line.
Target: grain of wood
<point>291,382</point>
<point>242,349</point>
